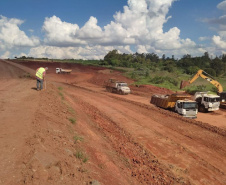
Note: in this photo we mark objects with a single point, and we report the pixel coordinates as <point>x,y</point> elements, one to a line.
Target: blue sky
<point>89,29</point>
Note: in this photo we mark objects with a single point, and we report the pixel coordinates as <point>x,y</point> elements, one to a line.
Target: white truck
<point>207,102</point>
<point>60,70</point>
<point>187,108</point>
<point>176,102</point>
<point>112,85</point>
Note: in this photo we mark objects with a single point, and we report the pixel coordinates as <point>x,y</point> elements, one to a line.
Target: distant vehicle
<point>177,102</point>
<point>112,85</point>
<point>211,80</point>
<point>60,70</point>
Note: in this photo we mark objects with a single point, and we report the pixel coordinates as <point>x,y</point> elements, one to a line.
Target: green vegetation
<point>71,110</point>
<point>149,68</point>
<point>81,155</point>
<point>168,72</point>
<point>60,88</point>
<point>77,138</point>
<point>62,95</point>
<point>72,120</point>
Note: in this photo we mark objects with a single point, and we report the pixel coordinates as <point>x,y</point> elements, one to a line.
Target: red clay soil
<point>74,132</point>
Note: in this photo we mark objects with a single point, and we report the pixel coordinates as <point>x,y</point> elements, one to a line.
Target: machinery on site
<point>207,102</point>
<point>211,80</point>
<point>61,70</point>
<point>180,103</point>
<point>114,86</point>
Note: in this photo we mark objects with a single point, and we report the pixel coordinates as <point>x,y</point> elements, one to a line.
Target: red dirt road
<point>115,139</point>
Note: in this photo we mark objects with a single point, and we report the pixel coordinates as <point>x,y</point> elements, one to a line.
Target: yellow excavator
<point>210,79</point>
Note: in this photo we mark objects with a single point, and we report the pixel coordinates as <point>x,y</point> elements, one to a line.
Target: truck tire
<point>111,89</point>
<point>202,108</point>
<point>120,92</point>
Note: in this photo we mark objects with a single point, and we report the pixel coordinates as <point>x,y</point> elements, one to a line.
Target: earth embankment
<point>76,132</point>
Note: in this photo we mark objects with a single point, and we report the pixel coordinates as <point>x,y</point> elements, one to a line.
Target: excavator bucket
<point>183,84</point>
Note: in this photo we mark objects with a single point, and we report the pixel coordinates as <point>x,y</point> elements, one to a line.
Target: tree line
<point>187,64</point>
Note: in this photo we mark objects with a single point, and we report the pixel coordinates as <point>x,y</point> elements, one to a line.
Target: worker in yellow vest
<point>40,76</point>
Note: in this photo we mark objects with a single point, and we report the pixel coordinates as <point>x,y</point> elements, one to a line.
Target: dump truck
<point>115,86</point>
<point>180,103</point>
<point>222,100</point>
<point>207,102</point>
<point>210,79</point>
<point>61,70</point>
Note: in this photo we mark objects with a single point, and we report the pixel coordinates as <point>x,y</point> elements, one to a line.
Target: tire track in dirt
<point>201,162</point>
<point>143,165</point>
<point>201,168</point>
<point>207,126</point>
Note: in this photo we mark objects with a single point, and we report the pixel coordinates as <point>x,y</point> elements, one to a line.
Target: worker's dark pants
<point>39,84</point>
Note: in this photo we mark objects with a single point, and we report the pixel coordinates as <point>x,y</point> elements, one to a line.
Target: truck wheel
<point>202,108</point>
<point>120,92</point>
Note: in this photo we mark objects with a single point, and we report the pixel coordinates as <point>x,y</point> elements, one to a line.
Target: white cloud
<point>87,52</point>
<point>222,6</point>
<point>11,35</point>
<point>90,30</point>
<point>219,42</point>
<point>139,25</point>
<point>204,38</point>
<point>5,55</point>
<point>58,33</point>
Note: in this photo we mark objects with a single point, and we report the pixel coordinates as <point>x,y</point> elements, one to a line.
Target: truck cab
<point>187,108</point>
<point>58,70</point>
<point>207,102</point>
<point>122,88</point>
<point>222,99</point>
<point>112,85</point>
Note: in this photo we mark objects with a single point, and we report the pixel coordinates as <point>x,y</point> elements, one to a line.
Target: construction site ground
<point>75,132</point>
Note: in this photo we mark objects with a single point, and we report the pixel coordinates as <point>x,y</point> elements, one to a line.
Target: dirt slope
<point>75,132</point>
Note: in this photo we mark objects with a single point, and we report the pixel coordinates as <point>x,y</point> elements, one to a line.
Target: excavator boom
<point>205,76</point>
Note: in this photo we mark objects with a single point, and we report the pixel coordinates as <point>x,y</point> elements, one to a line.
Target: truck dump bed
<point>167,101</point>
<point>66,70</point>
<point>110,83</point>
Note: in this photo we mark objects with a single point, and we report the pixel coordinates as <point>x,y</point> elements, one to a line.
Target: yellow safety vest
<point>40,72</point>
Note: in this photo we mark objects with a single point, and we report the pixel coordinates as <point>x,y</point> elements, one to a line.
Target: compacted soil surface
<point>75,132</point>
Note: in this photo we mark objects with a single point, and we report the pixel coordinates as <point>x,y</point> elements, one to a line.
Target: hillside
<point>74,132</point>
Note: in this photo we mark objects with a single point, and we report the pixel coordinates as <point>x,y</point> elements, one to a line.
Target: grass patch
<point>81,155</point>
<point>72,120</point>
<point>77,138</point>
<point>62,95</point>
<point>60,88</point>
<point>26,75</point>
<point>71,110</point>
